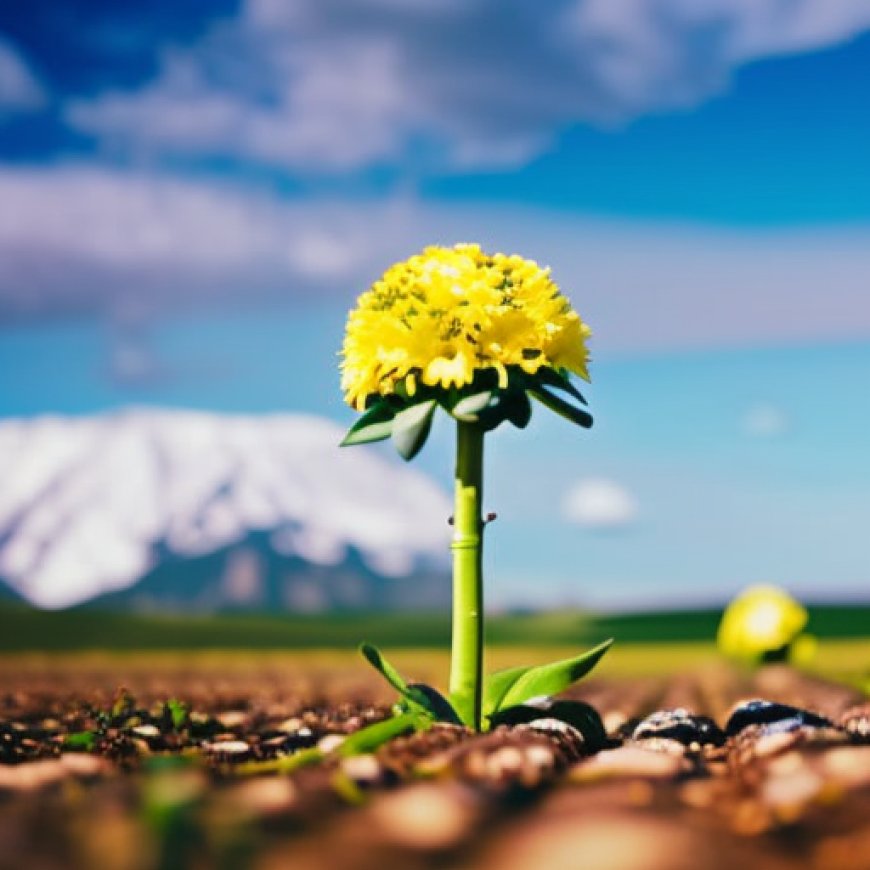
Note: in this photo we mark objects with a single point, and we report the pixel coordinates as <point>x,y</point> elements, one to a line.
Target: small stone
<point>849,765</point>
<point>750,818</point>
<point>363,769</point>
<point>663,744</point>
<point>266,795</point>
<point>504,763</point>
<point>330,742</point>
<point>233,748</point>
<point>32,775</point>
<point>81,764</point>
<point>233,718</point>
<point>146,731</point>
<point>540,756</point>
<point>628,761</point>
<point>598,840</point>
<point>699,793</point>
<point>424,817</point>
<point>568,738</point>
<point>680,725</point>
<point>856,722</point>
<point>773,716</point>
<point>614,720</point>
<point>788,795</point>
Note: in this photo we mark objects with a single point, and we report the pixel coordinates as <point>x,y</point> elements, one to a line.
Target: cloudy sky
<point>192,194</point>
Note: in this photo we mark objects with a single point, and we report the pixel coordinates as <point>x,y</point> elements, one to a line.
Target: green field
<point>23,629</point>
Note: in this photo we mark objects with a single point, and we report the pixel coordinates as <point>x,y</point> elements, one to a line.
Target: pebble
<point>233,718</point>
<point>233,748</point>
<point>856,722</point>
<point>599,841</point>
<point>614,721</point>
<point>147,731</point>
<point>680,725</point>
<point>363,769</point>
<point>771,715</point>
<point>80,764</point>
<point>628,761</point>
<point>425,817</point>
<point>849,765</point>
<point>755,743</point>
<point>666,745</point>
<point>37,774</point>
<point>31,776</point>
<point>330,742</point>
<point>788,794</point>
<point>569,739</point>
<point>266,795</point>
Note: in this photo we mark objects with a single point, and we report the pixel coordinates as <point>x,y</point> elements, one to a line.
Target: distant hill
<point>251,576</point>
<point>154,509</point>
<point>8,594</point>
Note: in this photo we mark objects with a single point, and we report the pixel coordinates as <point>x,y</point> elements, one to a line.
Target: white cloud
<point>597,503</point>
<point>79,238</point>
<point>765,421</point>
<point>20,90</point>
<point>75,238</point>
<point>337,85</point>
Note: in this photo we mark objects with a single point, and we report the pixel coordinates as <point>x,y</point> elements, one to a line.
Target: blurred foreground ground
<point>95,776</point>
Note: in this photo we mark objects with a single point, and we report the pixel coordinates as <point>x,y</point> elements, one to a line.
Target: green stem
<point>466,663</point>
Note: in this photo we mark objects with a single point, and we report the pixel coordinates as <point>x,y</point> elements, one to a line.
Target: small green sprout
<point>178,713</point>
<point>80,741</point>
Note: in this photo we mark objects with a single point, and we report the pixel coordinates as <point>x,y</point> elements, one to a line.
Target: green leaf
<point>552,378</point>
<point>346,788</point>
<point>177,712</point>
<point>284,764</point>
<point>410,428</point>
<point>372,737</point>
<point>561,407</point>
<point>469,408</point>
<point>418,696</point>
<point>374,657</point>
<point>496,686</point>
<point>436,704</point>
<point>552,678</point>
<point>376,424</point>
<point>84,740</point>
<point>518,408</point>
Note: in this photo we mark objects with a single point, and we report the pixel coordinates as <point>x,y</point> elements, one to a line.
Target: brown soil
<point>97,776</point>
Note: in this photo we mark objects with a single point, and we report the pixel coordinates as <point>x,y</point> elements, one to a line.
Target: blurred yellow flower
<point>446,313</point>
<point>763,622</point>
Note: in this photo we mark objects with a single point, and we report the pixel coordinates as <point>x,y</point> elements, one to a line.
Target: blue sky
<point>192,195</point>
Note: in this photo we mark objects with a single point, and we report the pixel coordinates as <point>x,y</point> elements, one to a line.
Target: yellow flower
<point>444,314</point>
<point>761,621</point>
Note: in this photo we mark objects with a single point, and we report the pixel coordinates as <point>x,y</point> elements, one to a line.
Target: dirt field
<point>138,763</point>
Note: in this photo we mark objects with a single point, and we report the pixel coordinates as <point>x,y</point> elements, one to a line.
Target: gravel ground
<point>117,768</point>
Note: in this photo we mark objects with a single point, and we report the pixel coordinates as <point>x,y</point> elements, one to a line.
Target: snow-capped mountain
<point>92,506</point>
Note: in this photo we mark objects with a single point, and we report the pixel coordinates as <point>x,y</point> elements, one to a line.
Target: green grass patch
<point>25,629</point>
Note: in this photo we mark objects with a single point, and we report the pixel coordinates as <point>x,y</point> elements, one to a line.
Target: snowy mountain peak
<point>87,503</point>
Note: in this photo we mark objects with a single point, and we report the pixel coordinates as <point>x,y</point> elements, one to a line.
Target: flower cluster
<point>444,314</point>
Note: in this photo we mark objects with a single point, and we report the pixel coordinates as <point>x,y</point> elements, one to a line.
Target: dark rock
<point>580,716</point>
<point>680,725</point>
<point>773,716</point>
<point>856,722</point>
